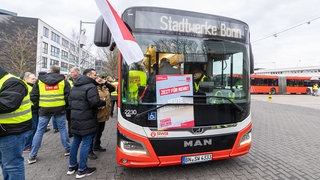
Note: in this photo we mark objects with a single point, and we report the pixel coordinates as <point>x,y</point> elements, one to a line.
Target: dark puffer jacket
<point>84,101</point>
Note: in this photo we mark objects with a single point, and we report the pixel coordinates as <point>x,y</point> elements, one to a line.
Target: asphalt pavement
<point>285,146</point>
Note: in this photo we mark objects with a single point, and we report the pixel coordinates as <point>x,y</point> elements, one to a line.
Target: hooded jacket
<point>50,79</point>
<point>12,93</point>
<point>84,101</point>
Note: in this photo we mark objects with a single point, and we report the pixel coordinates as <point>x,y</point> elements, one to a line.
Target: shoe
<point>48,129</point>
<point>86,172</point>
<point>100,149</point>
<point>55,130</point>
<point>91,155</point>
<point>32,160</point>
<point>72,170</point>
<point>67,153</point>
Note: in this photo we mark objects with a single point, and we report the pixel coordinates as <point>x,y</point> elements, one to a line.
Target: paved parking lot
<point>297,100</point>
<point>285,146</point>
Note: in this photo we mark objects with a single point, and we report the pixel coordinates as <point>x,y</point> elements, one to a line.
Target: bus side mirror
<point>102,34</point>
<point>251,60</point>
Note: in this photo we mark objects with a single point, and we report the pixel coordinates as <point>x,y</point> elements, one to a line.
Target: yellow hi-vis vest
<point>115,92</point>
<point>136,79</point>
<point>197,86</point>
<point>51,96</point>
<point>29,89</point>
<point>315,87</point>
<point>70,82</point>
<point>22,114</point>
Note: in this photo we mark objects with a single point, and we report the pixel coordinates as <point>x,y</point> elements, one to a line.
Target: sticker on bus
<point>152,116</point>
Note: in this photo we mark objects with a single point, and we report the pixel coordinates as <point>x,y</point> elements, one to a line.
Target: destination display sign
<point>201,26</point>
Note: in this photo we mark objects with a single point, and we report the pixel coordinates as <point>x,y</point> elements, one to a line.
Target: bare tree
<point>18,51</point>
<point>111,59</point>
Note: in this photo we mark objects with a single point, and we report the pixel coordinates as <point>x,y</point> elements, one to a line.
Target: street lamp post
<point>80,35</point>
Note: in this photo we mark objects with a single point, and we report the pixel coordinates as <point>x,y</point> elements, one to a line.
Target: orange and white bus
<point>161,120</point>
<point>280,84</point>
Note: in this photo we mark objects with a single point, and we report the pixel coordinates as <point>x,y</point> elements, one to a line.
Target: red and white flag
<point>126,43</point>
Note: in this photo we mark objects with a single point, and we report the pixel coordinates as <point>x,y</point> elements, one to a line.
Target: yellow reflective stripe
<point>51,100</point>
<point>11,115</point>
<point>197,86</point>
<point>25,102</point>
<point>51,95</point>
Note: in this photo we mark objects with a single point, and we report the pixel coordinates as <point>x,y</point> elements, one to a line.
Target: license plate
<point>196,159</point>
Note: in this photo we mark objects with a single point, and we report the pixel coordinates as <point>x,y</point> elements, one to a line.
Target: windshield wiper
<point>160,106</point>
<point>179,104</point>
<point>221,97</point>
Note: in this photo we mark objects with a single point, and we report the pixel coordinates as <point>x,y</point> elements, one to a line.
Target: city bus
<point>280,84</point>
<point>161,120</point>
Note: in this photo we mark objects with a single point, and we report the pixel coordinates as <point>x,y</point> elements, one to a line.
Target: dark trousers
<point>68,116</point>
<point>113,102</point>
<point>97,137</point>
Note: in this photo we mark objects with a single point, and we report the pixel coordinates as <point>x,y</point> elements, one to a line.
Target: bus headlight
<point>246,138</point>
<point>130,146</point>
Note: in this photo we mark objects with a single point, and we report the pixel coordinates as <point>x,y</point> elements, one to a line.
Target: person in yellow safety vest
<point>315,89</point>
<point>137,83</point>
<point>15,123</point>
<point>198,76</point>
<point>30,79</point>
<point>50,93</point>
<point>114,94</point>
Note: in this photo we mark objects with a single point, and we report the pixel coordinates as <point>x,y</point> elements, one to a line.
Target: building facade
<point>29,44</point>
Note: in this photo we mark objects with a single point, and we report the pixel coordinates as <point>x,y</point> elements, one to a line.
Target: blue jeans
<point>54,123</point>
<point>42,126</point>
<point>32,132</point>
<point>11,159</point>
<point>84,151</point>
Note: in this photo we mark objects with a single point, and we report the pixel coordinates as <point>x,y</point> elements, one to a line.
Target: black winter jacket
<point>84,101</point>
<point>50,79</point>
<point>11,95</point>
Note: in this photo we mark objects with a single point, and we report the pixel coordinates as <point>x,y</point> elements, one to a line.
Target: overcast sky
<point>298,46</point>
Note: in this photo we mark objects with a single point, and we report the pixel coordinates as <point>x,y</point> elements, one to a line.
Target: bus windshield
<point>219,96</point>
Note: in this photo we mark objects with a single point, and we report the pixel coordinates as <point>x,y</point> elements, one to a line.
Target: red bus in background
<point>280,84</point>
<point>264,84</point>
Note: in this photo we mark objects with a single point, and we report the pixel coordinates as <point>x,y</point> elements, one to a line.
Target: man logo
<point>197,142</point>
<point>197,130</point>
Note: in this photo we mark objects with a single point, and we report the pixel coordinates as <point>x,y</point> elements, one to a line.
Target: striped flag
<point>126,43</point>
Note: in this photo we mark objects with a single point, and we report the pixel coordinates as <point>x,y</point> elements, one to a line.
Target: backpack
<point>104,111</point>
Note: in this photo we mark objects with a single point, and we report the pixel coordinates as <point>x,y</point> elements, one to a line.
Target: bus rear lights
<point>246,138</point>
<point>129,146</point>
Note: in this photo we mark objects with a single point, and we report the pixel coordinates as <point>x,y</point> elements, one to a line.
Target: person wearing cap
<point>15,123</point>
<point>166,68</point>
